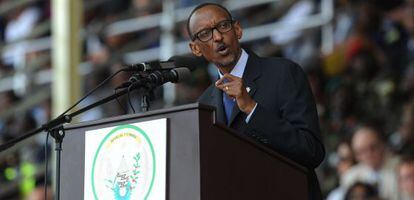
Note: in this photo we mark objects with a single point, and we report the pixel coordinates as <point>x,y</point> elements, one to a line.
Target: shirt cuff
<point>250,115</point>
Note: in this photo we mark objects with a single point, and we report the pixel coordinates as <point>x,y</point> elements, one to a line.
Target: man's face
<point>406,178</point>
<point>223,49</point>
<point>368,148</point>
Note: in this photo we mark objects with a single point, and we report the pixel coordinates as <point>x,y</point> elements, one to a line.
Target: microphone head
<point>188,61</point>
<point>181,74</point>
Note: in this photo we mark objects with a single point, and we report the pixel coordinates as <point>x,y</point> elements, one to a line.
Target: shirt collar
<point>238,69</point>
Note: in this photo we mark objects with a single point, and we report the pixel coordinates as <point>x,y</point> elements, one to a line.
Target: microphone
<point>150,66</point>
<point>189,62</point>
<point>174,76</point>
<point>157,78</point>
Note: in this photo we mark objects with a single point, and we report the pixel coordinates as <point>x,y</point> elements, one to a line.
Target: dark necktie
<point>228,105</point>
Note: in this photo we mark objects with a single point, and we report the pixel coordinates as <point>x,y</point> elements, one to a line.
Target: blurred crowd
<point>363,87</point>
<point>364,92</point>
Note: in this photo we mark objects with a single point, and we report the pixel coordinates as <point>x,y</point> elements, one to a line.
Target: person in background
<point>406,177</point>
<point>402,140</point>
<point>345,161</point>
<point>375,166</point>
<point>362,191</point>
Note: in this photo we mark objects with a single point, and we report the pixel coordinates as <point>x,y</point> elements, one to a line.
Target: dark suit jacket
<point>285,118</point>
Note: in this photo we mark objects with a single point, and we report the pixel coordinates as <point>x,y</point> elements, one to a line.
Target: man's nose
<point>217,36</point>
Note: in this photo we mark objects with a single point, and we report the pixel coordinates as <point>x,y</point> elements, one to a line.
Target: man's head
<point>361,191</point>
<point>368,147</point>
<point>215,35</point>
<point>406,175</point>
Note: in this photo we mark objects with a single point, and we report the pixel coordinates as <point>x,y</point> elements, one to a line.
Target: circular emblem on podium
<point>123,166</point>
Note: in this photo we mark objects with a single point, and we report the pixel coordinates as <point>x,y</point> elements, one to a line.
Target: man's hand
<point>235,88</point>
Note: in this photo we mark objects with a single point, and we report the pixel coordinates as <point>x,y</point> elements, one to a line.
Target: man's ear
<point>195,49</point>
<point>238,29</point>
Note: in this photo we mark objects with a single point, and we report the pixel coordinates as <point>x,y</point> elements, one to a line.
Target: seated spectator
<point>375,166</point>
<point>406,177</point>
<point>362,191</point>
<point>401,141</point>
<point>345,160</point>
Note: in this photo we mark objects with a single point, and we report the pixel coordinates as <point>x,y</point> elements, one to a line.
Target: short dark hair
<point>370,191</point>
<point>201,6</point>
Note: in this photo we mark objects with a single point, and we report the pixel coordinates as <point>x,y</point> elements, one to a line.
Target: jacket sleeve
<point>294,130</point>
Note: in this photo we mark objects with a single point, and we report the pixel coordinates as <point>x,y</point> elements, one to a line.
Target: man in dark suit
<point>268,99</point>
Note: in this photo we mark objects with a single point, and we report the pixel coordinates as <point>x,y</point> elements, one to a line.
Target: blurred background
<point>358,55</point>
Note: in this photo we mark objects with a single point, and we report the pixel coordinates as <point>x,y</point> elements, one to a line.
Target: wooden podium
<point>205,159</point>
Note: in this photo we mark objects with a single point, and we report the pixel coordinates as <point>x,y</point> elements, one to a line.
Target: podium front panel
<point>183,170</point>
<point>205,160</point>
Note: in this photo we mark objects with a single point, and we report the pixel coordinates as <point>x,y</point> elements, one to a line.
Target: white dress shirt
<point>238,71</point>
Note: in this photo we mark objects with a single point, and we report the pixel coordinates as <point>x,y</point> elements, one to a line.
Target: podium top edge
<point>151,113</point>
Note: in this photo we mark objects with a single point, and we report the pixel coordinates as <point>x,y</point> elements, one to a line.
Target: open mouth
<point>222,49</point>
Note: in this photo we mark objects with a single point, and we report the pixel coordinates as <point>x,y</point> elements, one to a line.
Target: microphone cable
<point>129,97</point>
<point>133,82</point>
<point>120,104</point>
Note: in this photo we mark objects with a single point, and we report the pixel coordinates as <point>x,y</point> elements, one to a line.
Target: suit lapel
<point>251,73</point>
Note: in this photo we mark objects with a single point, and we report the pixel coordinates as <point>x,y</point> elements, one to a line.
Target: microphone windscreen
<point>182,73</point>
<point>188,61</point>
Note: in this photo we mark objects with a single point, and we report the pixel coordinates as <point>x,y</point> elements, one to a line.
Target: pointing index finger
<point>220,81</point>
<point>226,78</point>
<point>229,77</point>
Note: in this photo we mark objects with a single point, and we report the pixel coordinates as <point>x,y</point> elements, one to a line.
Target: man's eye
<point>224,25</point>
<point>203,33</point>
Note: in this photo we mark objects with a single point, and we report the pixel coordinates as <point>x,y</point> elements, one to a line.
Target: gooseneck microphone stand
<point>146,82</point>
